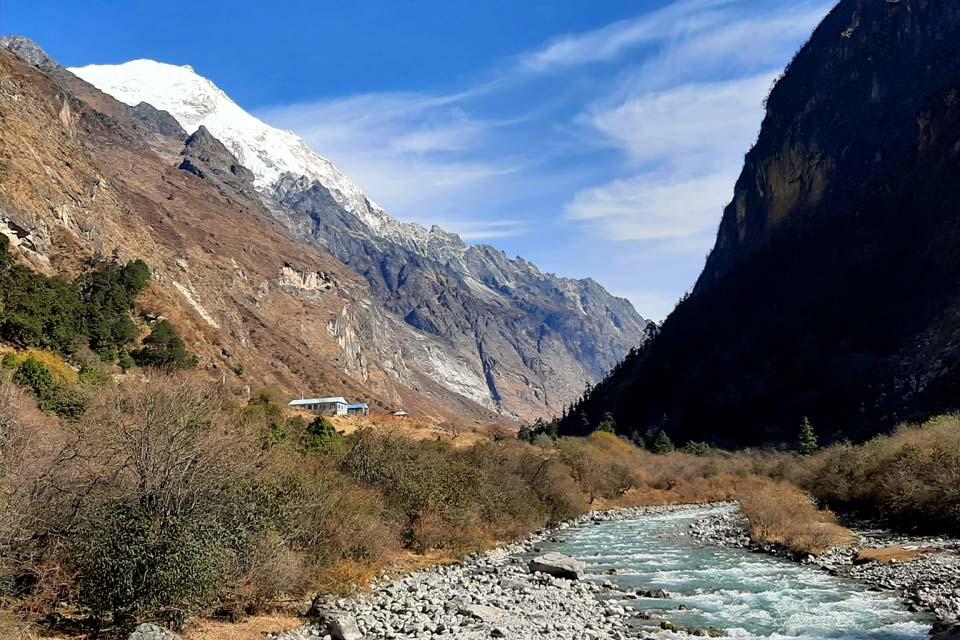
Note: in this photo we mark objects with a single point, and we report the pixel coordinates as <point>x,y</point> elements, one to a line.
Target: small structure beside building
<point>358,409</point>
<point>335,406</point>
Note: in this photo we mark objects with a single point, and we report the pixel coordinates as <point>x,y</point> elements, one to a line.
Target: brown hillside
<point>78,177</point>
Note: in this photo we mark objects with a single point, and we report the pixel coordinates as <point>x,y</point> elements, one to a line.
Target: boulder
<point>482,612</point>
<point>558,565</point>
<point>343,627</point>
<point>946,630</point>
<point>148,631</point>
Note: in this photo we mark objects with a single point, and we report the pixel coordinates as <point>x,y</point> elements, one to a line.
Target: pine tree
<point>662,444</point>
<point>808,438</point>
<point>608,424</point>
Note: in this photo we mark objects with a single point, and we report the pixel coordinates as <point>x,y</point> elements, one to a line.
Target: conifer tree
<point>807,444</point>
<point>607,424</point>
<point>662,444</point>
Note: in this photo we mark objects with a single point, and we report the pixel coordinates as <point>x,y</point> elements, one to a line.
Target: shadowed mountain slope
<point>832,289</point>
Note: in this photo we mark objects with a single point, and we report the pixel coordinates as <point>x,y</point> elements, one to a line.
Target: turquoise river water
<point>746,594</point>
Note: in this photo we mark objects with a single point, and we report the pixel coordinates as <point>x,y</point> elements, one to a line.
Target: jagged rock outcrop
<point>205,157</point>
<point>833,286</point>
<point>491,328</point>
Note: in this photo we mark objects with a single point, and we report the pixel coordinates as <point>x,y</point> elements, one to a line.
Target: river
<point>746,594</point>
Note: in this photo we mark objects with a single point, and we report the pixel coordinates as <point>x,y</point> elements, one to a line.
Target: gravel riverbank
<point>928,582</point>
<point>495,595</point>
<point>491,594</point>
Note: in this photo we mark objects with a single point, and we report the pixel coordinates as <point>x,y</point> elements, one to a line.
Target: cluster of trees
<point>657,441</point>
<point>68,317</point>
<point>93,310</point>
<point>62,315</point>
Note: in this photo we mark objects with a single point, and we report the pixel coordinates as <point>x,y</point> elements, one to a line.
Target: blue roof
<point>357,406</point>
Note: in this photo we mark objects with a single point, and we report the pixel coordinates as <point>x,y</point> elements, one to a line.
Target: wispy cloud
<point>488,229</point>
<point>653,207</point>
<point>682,137</point>
<point>695,125</point>
<point>413,152</point>
<point>686,145</point>
<point>611,41</point>
<point>633,132</point>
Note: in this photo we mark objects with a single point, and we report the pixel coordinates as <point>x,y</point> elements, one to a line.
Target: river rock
<point>946,631</point>
<point>343,627</point>
<point>482,612</point>
<point>558,565</point>
<point>148,631</point>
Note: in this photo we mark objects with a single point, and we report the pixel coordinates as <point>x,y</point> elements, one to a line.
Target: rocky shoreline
<point>496,594</point>
<point>489,595</point>
<point>928,582</point>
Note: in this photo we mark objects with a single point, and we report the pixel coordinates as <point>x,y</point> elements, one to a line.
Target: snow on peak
<point>193,100</point>
<point>277,158</point>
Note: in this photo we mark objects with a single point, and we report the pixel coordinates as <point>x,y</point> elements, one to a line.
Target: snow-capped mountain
<point>531,339</point>
<point>270,153</point>
<point>193,100</point>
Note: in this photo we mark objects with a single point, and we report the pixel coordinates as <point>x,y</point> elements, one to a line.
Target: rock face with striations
<point>832,290</point>
<point>535,337</point>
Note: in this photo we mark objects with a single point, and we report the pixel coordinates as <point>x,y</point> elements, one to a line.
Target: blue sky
<point>595,139</point>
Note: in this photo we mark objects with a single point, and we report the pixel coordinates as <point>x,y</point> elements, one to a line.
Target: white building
<point>335,406</point>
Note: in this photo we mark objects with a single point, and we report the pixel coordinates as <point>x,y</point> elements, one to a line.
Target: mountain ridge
<point>529,335</point>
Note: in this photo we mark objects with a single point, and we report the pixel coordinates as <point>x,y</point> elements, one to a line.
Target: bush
<point>696,448</point>
<point>608,424</point>
<point>320,434</point>
<point>107,291</point>
<point>125,360</point>
<point>779,513</point>
<point>910,478</point>
<point>662,444</point>
<point>92,377</point>
<point>53,396</point>
<point>164,349</point>
<point>133,560</point>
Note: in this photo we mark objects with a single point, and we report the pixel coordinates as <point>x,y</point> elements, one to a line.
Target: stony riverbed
<point>495,595</point>
<point>489,595</point>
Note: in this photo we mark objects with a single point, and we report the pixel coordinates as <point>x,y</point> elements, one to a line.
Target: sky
<point>596,139</point>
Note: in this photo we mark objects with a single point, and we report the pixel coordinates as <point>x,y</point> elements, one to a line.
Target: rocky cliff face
<point>832,289</point>
<point>493,329</point>
<point>534,338</point>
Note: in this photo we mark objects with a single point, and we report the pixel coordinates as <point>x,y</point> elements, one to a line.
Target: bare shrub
<point>781,514</point>
<point>911,477</point>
